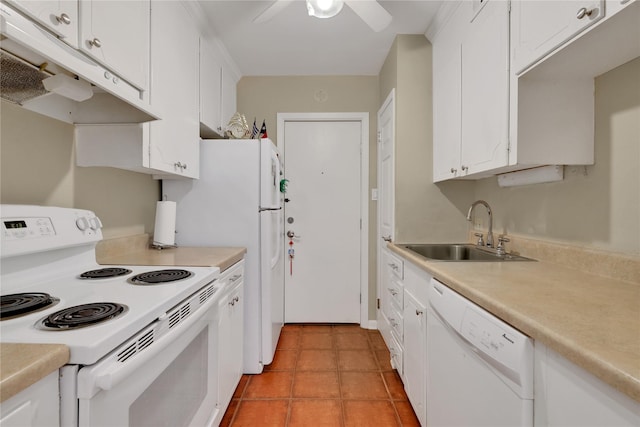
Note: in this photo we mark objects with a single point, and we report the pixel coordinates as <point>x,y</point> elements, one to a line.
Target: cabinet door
<point>230,344</point>
<point>485,90</point>
<point>229,97</point>
<point>210,90</point>
<point>538,27</point>
<point>174,140</point>
<point>116,33</point>
<point>567,395</point>
<point>60,16</point>
<point>447,102</point>
<point>415,349</point>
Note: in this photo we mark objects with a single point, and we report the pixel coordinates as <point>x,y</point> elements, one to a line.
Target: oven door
<point>170,382</point>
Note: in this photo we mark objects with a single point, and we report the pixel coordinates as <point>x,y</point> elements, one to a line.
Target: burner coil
<point>83,315</point>
<point>24,303</point>
<point>160,276</point>
<point>103,273</point>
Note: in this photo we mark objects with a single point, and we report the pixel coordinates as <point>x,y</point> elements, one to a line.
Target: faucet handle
<point>480,241</point>
<point>501,241</point>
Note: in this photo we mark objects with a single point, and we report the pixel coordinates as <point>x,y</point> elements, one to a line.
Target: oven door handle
<point>108,373</point>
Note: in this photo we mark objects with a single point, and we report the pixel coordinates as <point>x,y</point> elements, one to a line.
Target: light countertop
<point>181,256</point>
<point>25,364</point>
<point>591,320</point>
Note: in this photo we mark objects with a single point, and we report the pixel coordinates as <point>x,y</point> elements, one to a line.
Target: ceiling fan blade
<point>272,11</point>
<point>372,13</point>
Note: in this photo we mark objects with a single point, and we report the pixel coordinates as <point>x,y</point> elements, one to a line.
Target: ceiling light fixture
<point>324,8</point>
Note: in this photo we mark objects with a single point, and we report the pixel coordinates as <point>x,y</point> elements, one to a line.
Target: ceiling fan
<point>370,11</point>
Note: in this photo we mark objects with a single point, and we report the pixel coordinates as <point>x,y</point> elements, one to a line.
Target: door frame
<point>363,118</point>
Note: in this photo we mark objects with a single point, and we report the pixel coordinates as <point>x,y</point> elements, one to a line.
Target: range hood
<point>30,54</point>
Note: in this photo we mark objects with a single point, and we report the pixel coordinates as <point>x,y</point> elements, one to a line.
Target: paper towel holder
<point>165,243</point>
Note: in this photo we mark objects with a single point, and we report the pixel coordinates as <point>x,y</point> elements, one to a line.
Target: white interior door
<point>386,182</point>
<point>323,166</point>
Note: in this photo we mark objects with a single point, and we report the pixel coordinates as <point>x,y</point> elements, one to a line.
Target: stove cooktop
<point>136,307</point>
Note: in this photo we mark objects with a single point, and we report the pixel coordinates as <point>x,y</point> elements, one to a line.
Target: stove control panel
<point>30,229</point>
<point>26,228</point>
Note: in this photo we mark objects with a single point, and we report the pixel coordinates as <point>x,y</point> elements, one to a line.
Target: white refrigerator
<point>237,202</point>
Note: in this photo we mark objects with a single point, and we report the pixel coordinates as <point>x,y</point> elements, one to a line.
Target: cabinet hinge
<point>379,137</point>
<point>360,223</point>
<point>378,303</point>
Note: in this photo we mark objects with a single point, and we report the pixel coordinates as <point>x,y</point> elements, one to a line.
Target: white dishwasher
<point>479,369</point>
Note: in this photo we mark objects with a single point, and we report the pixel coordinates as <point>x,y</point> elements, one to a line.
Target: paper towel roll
<point>164,232</point>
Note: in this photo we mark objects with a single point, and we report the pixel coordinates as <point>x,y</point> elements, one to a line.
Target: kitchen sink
<point>460,252</point>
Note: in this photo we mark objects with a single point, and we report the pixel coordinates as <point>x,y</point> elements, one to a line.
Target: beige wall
<point>425,212</point>
<point>38,167</point>
<point>264,97</point>
<point>597,206</point>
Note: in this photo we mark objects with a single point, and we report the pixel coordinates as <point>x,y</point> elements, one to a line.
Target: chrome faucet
<point>486,205</point>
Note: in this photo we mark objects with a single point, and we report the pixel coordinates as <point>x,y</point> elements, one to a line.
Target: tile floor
<point>321,376</point>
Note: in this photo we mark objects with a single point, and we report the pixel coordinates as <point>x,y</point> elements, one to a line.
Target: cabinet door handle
<point>465,168</point>
<point>419,312</point>
<point>234,278</point>
<point>454,170</point>
<point>584,12</point>
<point>63,19</point>
<point>95,42</point>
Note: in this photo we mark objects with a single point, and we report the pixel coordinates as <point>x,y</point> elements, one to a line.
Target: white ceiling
<point>293,43</point>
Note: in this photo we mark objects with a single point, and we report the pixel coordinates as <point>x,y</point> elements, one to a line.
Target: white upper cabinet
<point>229,96</point>
<point>217,91</point>
<point>167,148</point>
<point>541,26</point>
<point>60,16</point>
<point>174,142</point>
<point>471,89</point>
<point>116,33</point>
<point>485,89</point>
<point>210,92</point>
<point>490,118</point>
<point>447,99</point>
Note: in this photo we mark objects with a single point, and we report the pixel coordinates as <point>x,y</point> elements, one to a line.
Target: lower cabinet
<point>567,395</point>
<point>564,393</point>
<point>391,302</point>
<point>230,335</point>
<point>415,354</point>
<point>416,283</point>
<point>37,405</point>
<point>402,324</point>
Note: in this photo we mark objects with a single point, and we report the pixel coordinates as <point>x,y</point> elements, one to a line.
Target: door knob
<point>291,234</point>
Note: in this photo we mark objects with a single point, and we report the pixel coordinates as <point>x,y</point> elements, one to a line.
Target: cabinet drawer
<point>393,315</point>
<point>396,351</point>
<point>395,293</point>
<point>232,276</point>
<point>395,265</point>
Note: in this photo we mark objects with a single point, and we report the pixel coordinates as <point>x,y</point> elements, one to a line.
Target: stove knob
<point>95,223</point>
<point>82,223</point>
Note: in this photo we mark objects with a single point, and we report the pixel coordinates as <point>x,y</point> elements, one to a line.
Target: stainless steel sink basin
<point>460,252</point>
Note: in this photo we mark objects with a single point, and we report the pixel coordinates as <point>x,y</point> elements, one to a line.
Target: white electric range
<point>131,330</point>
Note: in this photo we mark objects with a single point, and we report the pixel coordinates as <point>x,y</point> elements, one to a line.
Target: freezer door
<point>270,175</point>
